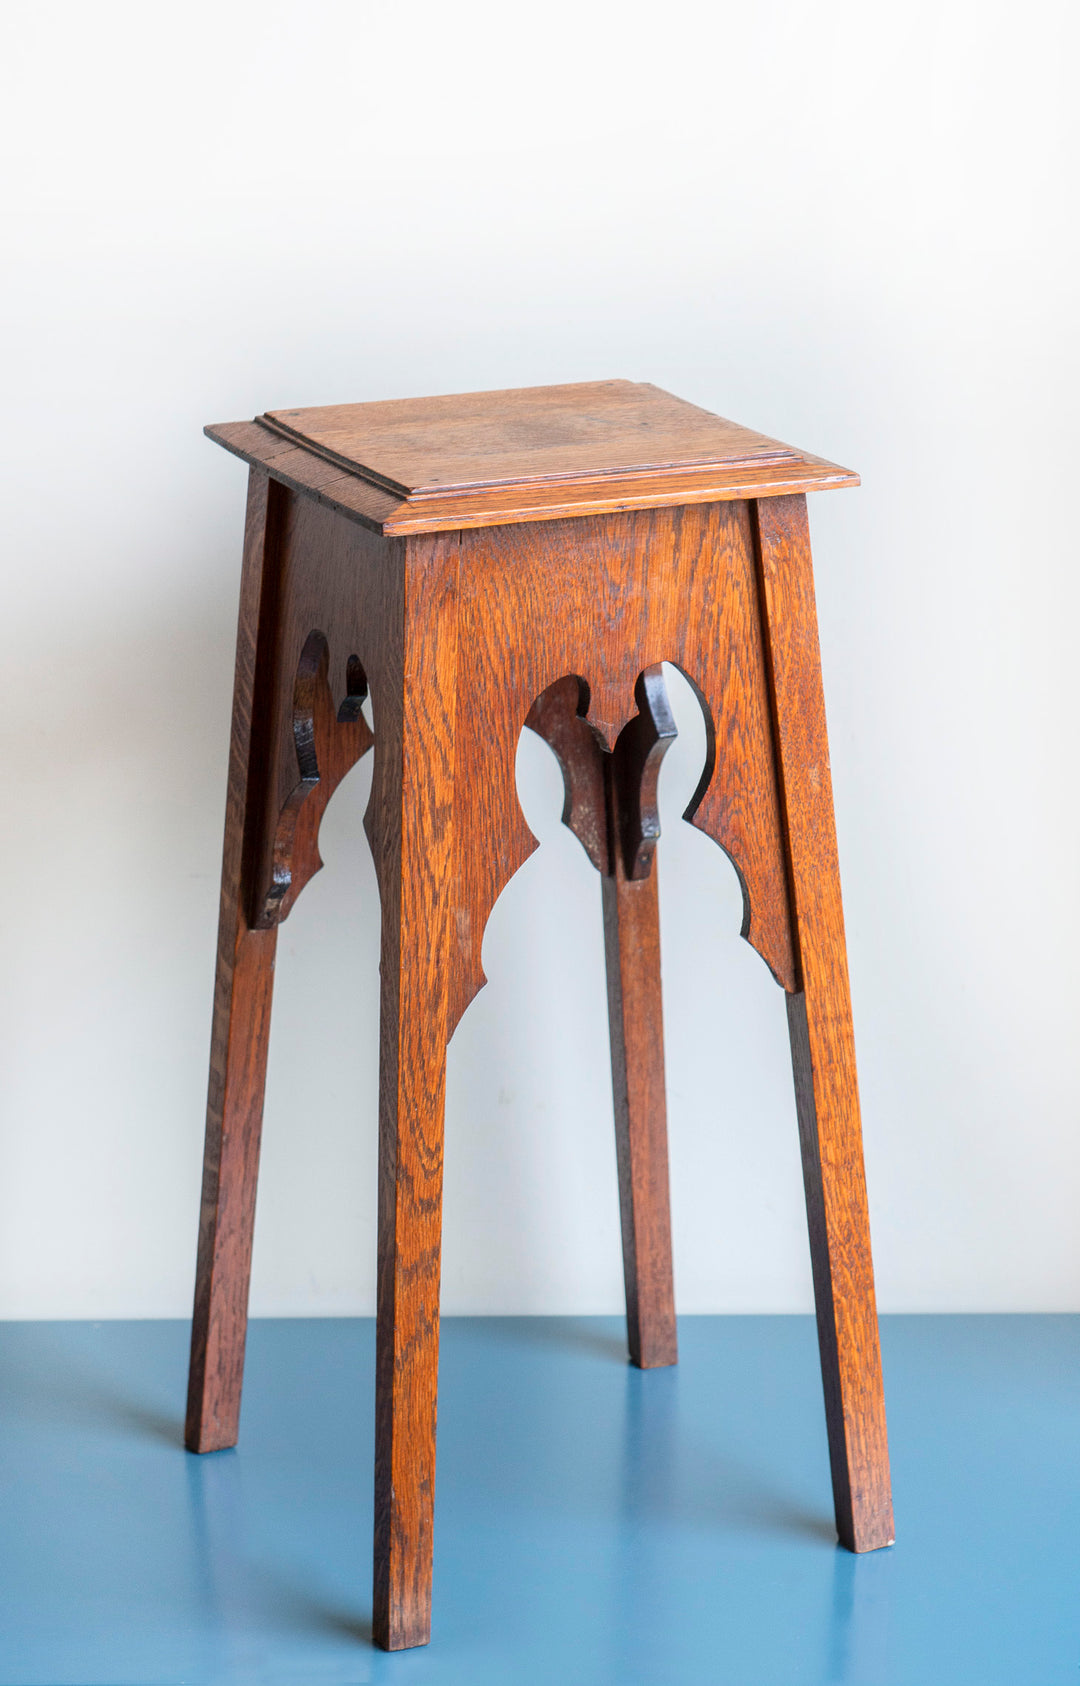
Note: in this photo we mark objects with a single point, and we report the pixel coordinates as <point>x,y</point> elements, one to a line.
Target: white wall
<point>850,225</point>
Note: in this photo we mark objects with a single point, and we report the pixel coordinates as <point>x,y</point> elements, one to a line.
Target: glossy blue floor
<point>595,1524</point>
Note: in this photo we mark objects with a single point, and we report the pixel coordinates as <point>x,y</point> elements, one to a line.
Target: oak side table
<point>483,562</point>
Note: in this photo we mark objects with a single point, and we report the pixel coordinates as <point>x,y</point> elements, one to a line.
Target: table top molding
<point>531,454</point>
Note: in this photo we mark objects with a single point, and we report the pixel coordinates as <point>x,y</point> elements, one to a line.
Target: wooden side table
<point>481,562</point>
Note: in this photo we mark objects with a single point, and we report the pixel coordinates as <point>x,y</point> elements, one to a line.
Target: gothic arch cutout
<point>328,741</point>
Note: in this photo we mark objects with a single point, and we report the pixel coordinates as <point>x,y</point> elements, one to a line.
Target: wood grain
<point>605,599</point>
<point>300,567</point>
<point>636,1021</point>
<point>329,741</point>
<point>534,454</point>
<point>427,447</point>
<point>634,775</point>
<point>415,882</point>
<point>822,1041</point>
<point>525,612</point>
<point>334,607</point>
<point>611,806</point>
<point>559,715</point>
<point>243,990</point>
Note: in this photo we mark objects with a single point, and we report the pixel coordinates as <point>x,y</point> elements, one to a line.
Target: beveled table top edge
<point>384,510</point>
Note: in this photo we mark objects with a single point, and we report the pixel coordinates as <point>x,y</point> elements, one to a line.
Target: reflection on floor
<point>595,1524</point>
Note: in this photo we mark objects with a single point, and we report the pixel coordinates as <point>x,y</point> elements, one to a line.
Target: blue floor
<point>595,1524</point>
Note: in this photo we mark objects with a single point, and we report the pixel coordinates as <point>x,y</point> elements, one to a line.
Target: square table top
<point>532,453</point>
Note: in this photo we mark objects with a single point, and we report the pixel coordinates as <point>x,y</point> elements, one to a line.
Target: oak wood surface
<point>474,440</point>
<point>534,454</point>
<point>635,1015</point>
<point>335,579</point>
<point>559,715</point>
<point>611,807</point>
<point>240,1038</point>
<point>602,600</point>
<point>328,741</point>
<point>415,883</point>
<point>464,636</point>
<point>823,1042</point>
<point>300,569</point>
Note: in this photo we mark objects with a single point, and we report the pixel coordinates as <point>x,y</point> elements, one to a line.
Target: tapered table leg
<point>388,527</point>
<point>242,998</point>
<point>611,808</point>
<point>410,824</point>
<point>635,1013</point>
<point>822,1040</point>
